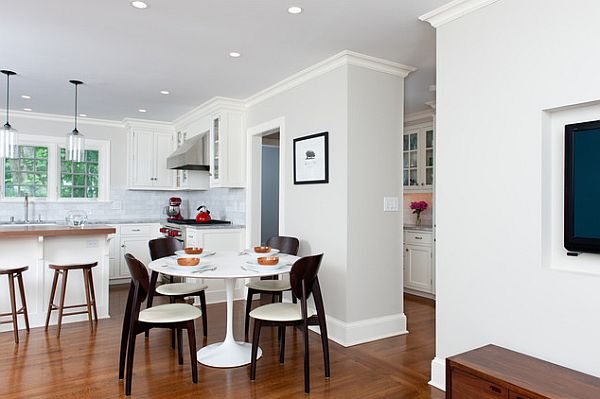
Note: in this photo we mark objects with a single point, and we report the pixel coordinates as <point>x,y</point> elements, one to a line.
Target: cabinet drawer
<point>467,386</point>
<point>417,237</point>
<point>136,229</point>
<point>514,395</point>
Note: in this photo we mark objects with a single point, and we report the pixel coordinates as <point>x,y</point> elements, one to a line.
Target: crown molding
<point>418,116</point>
<point>209,107</point>
<point>134,123</point>
<point>345,57</point>
<point>453,10</point>
<point>65,119</point>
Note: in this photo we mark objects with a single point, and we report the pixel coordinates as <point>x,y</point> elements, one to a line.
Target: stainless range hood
<point>191,155</point>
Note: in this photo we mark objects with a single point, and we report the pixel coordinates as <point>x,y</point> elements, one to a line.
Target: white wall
<point>498,69</point>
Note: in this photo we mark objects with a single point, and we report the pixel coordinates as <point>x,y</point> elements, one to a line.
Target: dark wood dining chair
<point>160,248</point>
<point>178,316</point>
<point>304,282</point>
<point>273,287</point>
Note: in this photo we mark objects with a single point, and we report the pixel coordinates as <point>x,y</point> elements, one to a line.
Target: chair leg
<point>282,349</point>
<point>125,335</point>
<point>23,301</point>
<point>173,333</point>
<point>247,315</point>
<point>323,327</point>
<point>191,332</point>
<point>179,346</point>
<point>306,359</point>
<point>52,293</point>
<point>294,299</point>
<point>13,306</point>
<point>130,352</point>
<point>204,313</point>
<point>153,280</point>
<point>61,306</point>
<point>93,293</point>
<point>86,283</point>
<point>255,339</point>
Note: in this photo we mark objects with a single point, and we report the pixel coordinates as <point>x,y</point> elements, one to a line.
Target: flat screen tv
<point>582,187</point>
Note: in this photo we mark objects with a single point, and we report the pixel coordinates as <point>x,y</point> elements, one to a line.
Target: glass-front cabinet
<point>227,149</point>
<point>418,147</point>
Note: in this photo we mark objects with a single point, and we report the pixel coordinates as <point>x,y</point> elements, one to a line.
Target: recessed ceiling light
<point>139,4</point>
<point>27,109</point>
<point>83,115</point>
<point>165,92</point>
<point>234,54</point>
<point>25,96</point>
<point>295,10</point>
<point>142,110</point>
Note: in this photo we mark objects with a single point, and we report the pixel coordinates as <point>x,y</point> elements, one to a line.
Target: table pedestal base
<point>226,354</point>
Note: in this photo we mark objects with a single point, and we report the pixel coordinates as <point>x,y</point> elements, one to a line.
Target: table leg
<point>228,353</point>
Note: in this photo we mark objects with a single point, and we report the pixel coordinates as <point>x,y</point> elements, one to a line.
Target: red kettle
<point>203,214</point>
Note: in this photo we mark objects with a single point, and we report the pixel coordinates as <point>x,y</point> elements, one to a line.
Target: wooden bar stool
<point>90,295</point>
<point>13,272</point>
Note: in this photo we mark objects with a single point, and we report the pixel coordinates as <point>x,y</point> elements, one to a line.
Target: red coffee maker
<point>174,209</point>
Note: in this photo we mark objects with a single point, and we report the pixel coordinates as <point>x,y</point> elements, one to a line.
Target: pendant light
<point>8,135</point>
<point>75,140</point>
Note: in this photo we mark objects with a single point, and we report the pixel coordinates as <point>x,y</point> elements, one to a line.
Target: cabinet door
<point>223,240</point>
<point>418,268</point>
<point>216,145</point>
<point>138,247</point>
<point>143,159</point>
<point>410,152</point>
<point>163,177</point>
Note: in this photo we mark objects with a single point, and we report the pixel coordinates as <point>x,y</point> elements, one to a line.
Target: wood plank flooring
<point>84,363</point>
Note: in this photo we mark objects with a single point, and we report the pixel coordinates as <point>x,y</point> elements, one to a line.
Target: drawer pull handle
<point>495,389</point>
<point>136,230</point>
<point>418,238</point>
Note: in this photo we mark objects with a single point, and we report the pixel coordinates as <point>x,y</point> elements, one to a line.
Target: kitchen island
<point>37,246</point>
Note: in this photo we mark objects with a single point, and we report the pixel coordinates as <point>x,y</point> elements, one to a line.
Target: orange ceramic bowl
<point>262,250</point>
<point>268,260</point>
<point>188,261</point>
<point>193,250</point>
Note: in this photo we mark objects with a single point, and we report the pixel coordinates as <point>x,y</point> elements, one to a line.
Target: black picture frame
<point>321,164</point>
<point>572,242</point>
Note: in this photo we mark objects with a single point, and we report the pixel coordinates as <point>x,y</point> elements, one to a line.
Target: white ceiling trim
<point>345,57</point>
<point>144,124</point>
<point>418,116</point>
<point>453,10</point>
<point>208,107</point>
<point>65,118</point>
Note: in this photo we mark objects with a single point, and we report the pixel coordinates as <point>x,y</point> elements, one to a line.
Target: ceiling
<point>127,56</point>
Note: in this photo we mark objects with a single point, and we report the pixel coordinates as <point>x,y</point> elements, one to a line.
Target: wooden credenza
<point>492,372</point>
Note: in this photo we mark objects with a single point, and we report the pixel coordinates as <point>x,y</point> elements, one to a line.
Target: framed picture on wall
<point>311,159</point>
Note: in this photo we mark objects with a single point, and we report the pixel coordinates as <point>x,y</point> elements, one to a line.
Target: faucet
<point>26,208</point>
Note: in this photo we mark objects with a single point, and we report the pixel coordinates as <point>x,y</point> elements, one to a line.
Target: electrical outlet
<point>390,204</point>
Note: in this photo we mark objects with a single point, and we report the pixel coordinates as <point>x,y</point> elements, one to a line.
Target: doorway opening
<point>269,195</point>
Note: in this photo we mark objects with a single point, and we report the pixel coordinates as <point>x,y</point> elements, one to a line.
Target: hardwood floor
<point>84,364</point>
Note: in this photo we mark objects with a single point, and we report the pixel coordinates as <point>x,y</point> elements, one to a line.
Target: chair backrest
<point>139,277</point>
<point>161,247</point>
<point>304,272</point>
<point>286,245</point>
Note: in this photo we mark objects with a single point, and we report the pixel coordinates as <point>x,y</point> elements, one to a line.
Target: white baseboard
<point>419,293</point>
<point>363,331</point>
<point>438,373</point>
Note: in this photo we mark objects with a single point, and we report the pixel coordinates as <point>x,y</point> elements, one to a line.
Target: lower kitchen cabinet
<point>418,261</point>
<point>133,239</point>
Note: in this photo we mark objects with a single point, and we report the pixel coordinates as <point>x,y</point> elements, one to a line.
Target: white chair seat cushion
<point>180,289</point>
<point>280,312</point>
<point>170,313</point>
<point>270,285</point>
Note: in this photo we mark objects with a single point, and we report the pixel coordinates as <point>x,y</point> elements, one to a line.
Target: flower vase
<point>418,221</point>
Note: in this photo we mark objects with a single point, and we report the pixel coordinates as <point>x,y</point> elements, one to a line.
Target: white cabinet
<point>418,261</point>
<point>148,151</point>
<point>133,239</point>
<point>418,147</point>
<point>227,149</point>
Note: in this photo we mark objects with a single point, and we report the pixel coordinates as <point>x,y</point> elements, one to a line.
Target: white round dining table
<point>230,266</point>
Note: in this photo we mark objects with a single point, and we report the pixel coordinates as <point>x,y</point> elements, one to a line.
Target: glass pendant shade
<point>75,141</point>
<point>75,146</point>
<point>8,142</point>
<point>8,134</point>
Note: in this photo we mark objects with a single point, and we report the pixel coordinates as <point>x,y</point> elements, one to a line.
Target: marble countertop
<point>423,227</point>
<point>213,226</point>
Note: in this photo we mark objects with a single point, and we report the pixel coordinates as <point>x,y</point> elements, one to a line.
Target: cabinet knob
<point>122,245</point>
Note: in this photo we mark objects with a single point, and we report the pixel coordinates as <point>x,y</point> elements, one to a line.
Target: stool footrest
<point>74,313</point>
<point>55,307</point>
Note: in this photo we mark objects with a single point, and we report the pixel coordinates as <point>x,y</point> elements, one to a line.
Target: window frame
<point>54,144</point>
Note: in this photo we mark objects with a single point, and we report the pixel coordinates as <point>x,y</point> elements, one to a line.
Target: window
<point>41,171</point>
<point>79,179</point>
<point>27,174</point>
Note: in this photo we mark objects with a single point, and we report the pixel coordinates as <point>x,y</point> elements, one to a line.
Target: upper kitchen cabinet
<point>418,147</point>
<point>227,149</point>
<point>148,149</point>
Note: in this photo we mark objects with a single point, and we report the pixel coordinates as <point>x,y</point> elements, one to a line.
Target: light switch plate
<point>390,204</point>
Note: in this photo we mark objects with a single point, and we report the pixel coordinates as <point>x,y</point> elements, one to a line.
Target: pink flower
<point>418,206</point>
